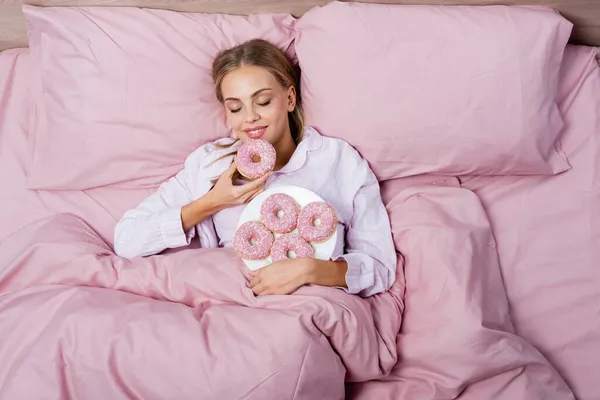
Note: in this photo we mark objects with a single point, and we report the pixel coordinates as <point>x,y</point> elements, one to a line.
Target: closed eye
<point>236,110</point>
<point>266,103</point>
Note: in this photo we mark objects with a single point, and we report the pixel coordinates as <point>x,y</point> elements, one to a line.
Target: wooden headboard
<point>585,14</point>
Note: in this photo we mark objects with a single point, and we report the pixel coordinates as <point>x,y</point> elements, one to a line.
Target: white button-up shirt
<point>327,166</point>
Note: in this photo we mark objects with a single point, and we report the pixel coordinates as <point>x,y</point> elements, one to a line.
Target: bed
<point>514,313</point>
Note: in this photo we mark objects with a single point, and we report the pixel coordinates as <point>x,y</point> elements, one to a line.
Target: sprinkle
<point>251,149</point>
<point>253,231</point>
<point>307,227</point>
<point>291,242</point>
<point>274,205</point>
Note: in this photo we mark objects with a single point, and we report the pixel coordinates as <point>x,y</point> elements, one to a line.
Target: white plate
<point>323,251</point>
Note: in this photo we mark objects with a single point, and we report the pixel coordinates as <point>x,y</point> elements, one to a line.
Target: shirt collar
<point>311,141</point>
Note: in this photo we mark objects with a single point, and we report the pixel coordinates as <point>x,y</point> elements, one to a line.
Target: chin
<point>269,136</point>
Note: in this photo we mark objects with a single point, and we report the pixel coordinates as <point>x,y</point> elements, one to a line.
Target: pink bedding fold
<point>80,321</point>
<point>457,339</point>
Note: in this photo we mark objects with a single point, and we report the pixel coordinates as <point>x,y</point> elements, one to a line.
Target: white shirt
<point>327,166</point>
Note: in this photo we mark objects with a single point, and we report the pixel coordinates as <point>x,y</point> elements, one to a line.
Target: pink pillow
<point>430,89</point>
<point>123,95</point>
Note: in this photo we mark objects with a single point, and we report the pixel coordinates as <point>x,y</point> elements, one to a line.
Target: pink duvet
<point>499,301</point>
<point>77,320</point>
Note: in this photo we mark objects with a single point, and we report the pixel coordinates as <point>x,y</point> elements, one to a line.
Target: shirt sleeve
<point>370,251</point>
<point>155,224</point>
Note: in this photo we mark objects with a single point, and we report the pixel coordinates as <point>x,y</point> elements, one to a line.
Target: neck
<point>284,148</point>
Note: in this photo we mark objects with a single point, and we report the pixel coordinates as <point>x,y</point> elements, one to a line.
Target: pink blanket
<point>79,321</point>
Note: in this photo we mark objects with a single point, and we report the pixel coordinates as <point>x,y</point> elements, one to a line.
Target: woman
<point>256,84</point>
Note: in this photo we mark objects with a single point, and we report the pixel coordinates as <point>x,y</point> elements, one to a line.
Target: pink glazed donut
<point>321,232</point>
<point>290,242</point>
<point>274,205</point>
<point>242,241</point>
<point>255,158</point>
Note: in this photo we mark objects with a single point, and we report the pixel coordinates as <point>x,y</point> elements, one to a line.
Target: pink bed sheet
<point>456,339</point>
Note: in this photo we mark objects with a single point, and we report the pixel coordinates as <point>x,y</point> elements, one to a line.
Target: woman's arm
<point>223,195</point>
<point>167,218</point>
<point>367,268</point>
<point>286,276</point>
<point>198,210</point>
<point>326,273</point>
<point>155,224</point>
<point>369,263</point>
<point>370,251</point>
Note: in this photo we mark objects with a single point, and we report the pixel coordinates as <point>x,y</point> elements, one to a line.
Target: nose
<point>252,116</point>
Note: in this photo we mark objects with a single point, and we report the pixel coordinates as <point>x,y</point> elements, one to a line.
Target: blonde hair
<point>260,53</point>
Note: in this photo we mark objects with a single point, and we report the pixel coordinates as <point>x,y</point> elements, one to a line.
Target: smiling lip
<point>255,133</point>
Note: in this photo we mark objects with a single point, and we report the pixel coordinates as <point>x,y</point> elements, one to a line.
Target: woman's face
<point>256,105</point>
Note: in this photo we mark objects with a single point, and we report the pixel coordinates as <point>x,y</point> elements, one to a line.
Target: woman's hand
<point>226,194</point>
<point>281,277</point>
<point>287,276</point>
<point>223,195</point>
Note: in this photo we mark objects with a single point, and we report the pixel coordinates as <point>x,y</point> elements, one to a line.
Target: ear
<point>291,98</point>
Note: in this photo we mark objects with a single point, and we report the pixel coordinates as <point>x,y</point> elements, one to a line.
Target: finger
<point>266,291</point>
<point>259,289</point>
<point>257,183</point>
<point>254,281</point>
<point>256,194</point>
<point>231,170</point>
<point>263,179</point>
<point>246,197</point>
<point>243,193</point>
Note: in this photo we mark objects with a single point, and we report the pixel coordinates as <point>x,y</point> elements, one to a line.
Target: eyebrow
<point>253,94</point>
